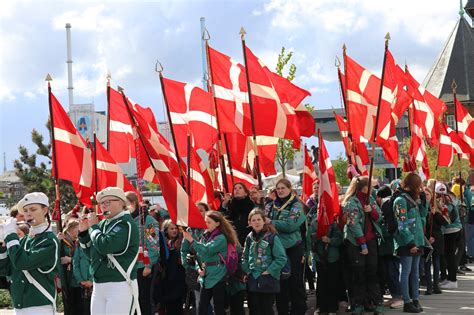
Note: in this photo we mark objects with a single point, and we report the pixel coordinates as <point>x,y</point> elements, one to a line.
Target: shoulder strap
<point>40,288</point>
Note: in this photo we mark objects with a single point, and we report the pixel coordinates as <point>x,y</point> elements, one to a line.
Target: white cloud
<point>91,19</point>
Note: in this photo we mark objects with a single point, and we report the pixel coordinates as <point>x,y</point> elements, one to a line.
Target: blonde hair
<point>356,185</point>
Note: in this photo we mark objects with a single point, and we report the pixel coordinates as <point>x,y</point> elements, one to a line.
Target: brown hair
<point>14,211</point>
<point>204,205</point>
<point>266,227</point>
<point>179,238</point>
<point>356,185</point>
<point>70,225</point>
<point>225,227</point>
<point>285,182</point>
<point>247,191</point>
<point>133,198</point>
<point>24,228</point>
<point>412,183</point>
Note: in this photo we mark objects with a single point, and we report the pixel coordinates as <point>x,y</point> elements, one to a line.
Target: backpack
<point>389,215</point>
<point>232,261</point>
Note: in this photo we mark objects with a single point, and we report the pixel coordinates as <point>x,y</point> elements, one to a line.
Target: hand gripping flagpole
<point>454,87</point>
<point>387,38</point>
<point>254,133</point>
<point>206,36</point>
<point>56,214</point>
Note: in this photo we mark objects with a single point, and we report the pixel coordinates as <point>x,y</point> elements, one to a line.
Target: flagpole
<point>344,103</point>
<point>140,136</point>
<point>231,173</point>
<point>454,86</point>
<point>216,113</point>
<point>188,186</point>
<point>252,115</point>
<point>160,72</point>
<point>387,38</point>
<point>95,165</point>
<point>109,76</point>
<point>53,149</point>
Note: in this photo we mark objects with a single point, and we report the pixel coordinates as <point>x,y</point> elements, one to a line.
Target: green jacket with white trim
<point>117,236</point>
<point>38,255</point>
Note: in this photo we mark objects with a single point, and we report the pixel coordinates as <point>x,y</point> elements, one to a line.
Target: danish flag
<point>428,108</point>
<point>202,189</point>
<point>192,111</point>
<point>276,101</point>
<point>328,203</point>
<point>417,145</point>
<point>309,176</point>
<point>73,158</point>
<point>465,124</point>
<point>445,153</point>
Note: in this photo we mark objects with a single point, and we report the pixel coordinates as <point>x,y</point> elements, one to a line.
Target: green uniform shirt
<point>208,251</point>
<point>327,253</point>
<point>117,236</point>
<point>259,255</point>
<point>80,266</point>
<point>287,221</point>
<point>411,218</point>
<point>354,228</point>
<point>39,255</point>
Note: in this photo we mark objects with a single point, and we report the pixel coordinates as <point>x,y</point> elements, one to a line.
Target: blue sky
<point>127,37</point>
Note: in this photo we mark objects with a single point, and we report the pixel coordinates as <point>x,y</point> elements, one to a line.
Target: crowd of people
<point>257,250</point>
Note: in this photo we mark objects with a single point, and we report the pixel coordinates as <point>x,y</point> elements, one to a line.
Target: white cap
<point>440,188</point>
<point>33,198</point>
<point>111,191</point>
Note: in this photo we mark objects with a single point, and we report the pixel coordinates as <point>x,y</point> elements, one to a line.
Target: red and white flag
<point>445,151</point>
<point>309,176</point>
<point>328,203</point>
<point>276,101</point>
<point>73,158</point>
<point>417,145</point>
<point>459,145</point>
<point>202,189</point>
<point>465,124</point>
<point>192,111</point>
<point>109,173</point>
<point>427,107</point>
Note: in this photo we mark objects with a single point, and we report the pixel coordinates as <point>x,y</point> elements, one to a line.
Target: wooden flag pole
<point>220,150</point>
<point>170,122</point>
<point>95,165</point>
<point>188,157</point>
<point>454,86</point>
<point>387,38</point>
<point>344,104</point>
<point>252,117</point>
<point>109,76</point>
<point>53,149</point>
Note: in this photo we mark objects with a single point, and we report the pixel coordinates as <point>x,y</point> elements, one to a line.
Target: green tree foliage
<point>36,176</point>
<point>340,170</point>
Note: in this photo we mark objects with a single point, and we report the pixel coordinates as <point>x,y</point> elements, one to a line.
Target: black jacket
<point>433,229</point>
<point>238,213</point>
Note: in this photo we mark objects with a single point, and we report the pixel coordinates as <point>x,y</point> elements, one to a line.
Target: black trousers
<point>144,292</point>
<point>327,287</point>
<point>260,303</point>
<point>73,302</point>
<point>174,307</point>
<point>217,293</point>
<point>292,290</point>
<point>451,242</point>
<point>309,275</point>
<point>365,282</point>
<point>236,303</point>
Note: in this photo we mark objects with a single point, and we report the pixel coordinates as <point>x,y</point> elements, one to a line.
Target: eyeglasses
<point>107,202</point>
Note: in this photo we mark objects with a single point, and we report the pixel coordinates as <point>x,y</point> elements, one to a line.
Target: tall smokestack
<point>69,64</point>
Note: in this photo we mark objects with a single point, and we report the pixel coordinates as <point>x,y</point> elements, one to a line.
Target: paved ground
<point>459,301</point>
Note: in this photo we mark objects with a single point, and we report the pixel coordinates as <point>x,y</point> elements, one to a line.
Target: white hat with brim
<point>440,188</point>
<point>33,198</point>
<point>111,191</point>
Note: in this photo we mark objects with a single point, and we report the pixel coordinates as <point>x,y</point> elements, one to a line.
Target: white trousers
<point>35,310</point>
<point>111,298</point>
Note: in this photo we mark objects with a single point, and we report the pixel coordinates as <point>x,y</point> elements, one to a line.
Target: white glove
<point>9,227</point>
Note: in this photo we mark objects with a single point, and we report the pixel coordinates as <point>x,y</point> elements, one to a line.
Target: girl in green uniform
<point>262,260</point>
<point>211,250</point>
<point>32,263</point>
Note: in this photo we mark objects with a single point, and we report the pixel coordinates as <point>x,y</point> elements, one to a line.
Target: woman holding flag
<point>360,240</point>
<point>112,246</point>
